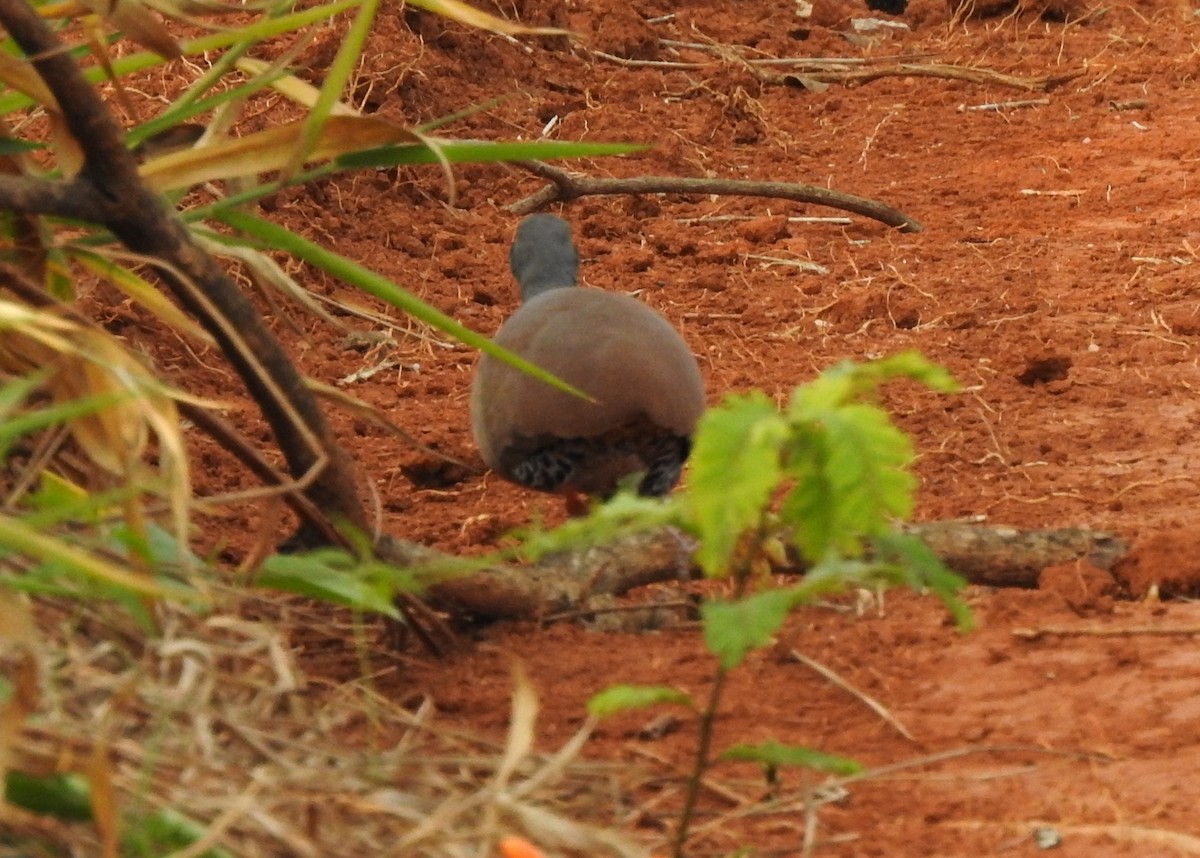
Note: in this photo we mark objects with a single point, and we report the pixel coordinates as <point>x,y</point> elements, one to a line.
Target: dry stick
<point>936,70</point>
<point>109,191</point>
<point>1179,842</point>
<point>823,70</point>
<point>1102,632</point>
<point>569,186</point>
<point>999,106</point>
<point>871,703</point>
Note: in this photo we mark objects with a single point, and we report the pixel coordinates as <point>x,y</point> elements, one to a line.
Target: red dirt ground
<point>1055,276</point>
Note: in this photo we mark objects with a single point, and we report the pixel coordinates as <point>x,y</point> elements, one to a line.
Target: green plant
<point>820,484</point>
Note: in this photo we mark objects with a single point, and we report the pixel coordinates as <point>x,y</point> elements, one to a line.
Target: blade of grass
<point>16,535</point>
<point>274,236</point>
<point>339,73</point>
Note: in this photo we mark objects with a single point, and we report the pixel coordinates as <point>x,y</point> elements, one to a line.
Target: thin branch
<point>843,70</point>
<point>870,702</point>
<point>987,77</point>
<point>569,186</point>
<point>65,199</point>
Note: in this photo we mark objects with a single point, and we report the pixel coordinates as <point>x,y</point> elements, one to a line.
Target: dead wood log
<point>983,554</point>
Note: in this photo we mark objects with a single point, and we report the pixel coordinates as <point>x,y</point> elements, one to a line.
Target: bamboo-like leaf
<point>24,79</point>
<point>300,91</point>
<point>225,38</point>
<point>270,150</point>
<point>482,151</point>
<point>137,23</point>
<point>19,537</point>
<point>187,9</point>
<point>455,151</point>
<point>351,272</point>
<point>141,291</point>
<point>267,271</point>
<point>336,77</point>
<point>85,363</point>
<point>456,10</point>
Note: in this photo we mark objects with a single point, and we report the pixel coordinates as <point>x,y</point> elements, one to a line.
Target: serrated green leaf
<point>732,629</point>
<point>868,468</point>
<point>773,755</point>
<point>808,509</point>
<point>852,479</point>
<point>622,698</point>
<point>318,578</point>
<point>735,466</point>
<point>922,569</point>
<point>849,382</point>
<point>624,514</point>
<point>915,366</point>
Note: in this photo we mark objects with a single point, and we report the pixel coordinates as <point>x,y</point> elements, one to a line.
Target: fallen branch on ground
<point>988,555</point>
<point>566,186</point>
<point>936,70</point>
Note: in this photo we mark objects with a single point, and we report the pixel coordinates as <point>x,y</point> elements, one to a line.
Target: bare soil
<point>1055,277</point>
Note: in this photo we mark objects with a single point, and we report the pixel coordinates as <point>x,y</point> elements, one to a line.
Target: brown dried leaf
<point>139,24</point>
<point>270,150</point>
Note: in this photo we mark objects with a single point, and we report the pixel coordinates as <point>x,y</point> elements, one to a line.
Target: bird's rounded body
<point>645,386</point>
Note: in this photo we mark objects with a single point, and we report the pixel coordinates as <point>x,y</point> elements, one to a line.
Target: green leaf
<point>735,466</point>
<point>921,569</point>
<point>623,515</point>
<point>18,536</point>
<point>851,481</point>
<point>10,146</point>
<point>732,629</point>
<point>621,698</point>
<point>165,832</point>
<point>915,366</point>
<point>852,382</point>
<point>325,576</point>
<point>335,77</point>
<point>773,755</point>
<point>809,509</point>
<point>63,796</point>
<point>480,152</point>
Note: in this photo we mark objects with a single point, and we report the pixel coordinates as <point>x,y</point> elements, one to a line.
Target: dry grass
<point>211,723</point>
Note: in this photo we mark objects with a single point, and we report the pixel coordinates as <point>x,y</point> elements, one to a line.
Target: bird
<point>646,391</point>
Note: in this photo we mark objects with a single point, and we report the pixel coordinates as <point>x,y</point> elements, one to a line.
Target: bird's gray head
<point>543,257</point>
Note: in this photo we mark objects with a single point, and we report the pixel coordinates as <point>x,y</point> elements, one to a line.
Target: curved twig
<point>566,186</point>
